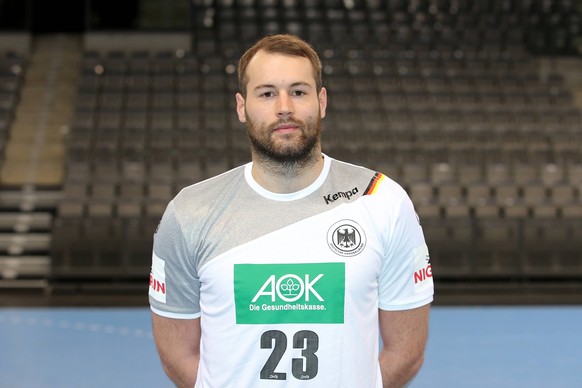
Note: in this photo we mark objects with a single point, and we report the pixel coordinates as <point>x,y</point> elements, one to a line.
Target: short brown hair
<point>285,44</point>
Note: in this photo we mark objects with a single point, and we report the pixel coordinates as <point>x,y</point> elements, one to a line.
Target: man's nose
<point>284,106</point>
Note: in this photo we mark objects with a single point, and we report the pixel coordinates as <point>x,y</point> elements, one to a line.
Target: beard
<point>285,154</point>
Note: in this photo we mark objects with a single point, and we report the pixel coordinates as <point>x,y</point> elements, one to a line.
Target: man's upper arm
<point>178,343</point>
<point>405,331</point>
<point>177,335</point>
<point>404,334</point>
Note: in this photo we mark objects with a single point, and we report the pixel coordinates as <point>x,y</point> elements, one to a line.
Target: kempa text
<point>342,194</point>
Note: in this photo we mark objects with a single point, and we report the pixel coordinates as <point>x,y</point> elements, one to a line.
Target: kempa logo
<point>289,293</point>
<point>341,194</point>
<point>346,238</point>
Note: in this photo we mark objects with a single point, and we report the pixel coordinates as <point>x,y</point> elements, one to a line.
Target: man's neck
<point>287,178</point>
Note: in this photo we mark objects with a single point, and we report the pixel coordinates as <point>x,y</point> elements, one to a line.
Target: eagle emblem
<point>346,238</point>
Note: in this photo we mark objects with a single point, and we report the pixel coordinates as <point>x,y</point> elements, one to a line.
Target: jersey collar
<point>288,196</point>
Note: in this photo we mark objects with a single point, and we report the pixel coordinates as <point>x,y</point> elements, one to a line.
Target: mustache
<point>278,123</point>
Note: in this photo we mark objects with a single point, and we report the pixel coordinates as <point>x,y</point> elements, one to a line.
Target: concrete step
<point>23,222</point>
<point>22,243</point>
<point>12,267</point>
<point>29,200</point>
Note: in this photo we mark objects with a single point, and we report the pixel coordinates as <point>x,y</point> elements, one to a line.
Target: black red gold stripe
<point>374,183</point>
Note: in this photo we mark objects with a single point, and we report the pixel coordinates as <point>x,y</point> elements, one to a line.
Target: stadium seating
<point>443,96</point>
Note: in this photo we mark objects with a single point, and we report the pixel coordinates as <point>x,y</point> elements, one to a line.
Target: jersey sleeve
<point>406,275</point>
<point>174,289</point>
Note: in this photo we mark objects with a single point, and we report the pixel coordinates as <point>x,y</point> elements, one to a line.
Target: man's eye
<point>267,94</point>
<point>298,93</point>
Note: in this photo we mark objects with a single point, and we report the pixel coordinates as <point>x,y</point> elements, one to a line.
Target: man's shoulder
<point>351,170</point>
<point>368,175</point>
<point>212,187</point>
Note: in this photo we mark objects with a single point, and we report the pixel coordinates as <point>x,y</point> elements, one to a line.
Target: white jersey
<point>288,286</point>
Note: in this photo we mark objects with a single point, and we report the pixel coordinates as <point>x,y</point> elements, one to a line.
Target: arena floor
<point>469,347</point>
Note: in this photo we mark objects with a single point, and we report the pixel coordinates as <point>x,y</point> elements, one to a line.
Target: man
<point>278,273</point>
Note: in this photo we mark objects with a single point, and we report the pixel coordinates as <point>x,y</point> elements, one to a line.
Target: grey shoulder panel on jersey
<point>224,212</point>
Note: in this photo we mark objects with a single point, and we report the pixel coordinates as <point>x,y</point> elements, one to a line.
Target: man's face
<point>282,108</point>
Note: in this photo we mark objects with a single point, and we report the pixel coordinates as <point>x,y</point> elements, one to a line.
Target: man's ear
<point>240,108</point>
<point>322,102</point>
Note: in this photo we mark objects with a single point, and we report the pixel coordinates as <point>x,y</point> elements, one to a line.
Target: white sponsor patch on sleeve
<point>158,279</point>
<point>422,267</point>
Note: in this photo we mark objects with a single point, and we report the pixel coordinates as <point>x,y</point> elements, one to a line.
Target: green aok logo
<point>289,293</point>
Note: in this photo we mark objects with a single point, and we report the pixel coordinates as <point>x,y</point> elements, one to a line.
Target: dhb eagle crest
<point>346,238</point>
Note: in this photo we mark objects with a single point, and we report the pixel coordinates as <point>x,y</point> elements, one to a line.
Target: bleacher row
<point>424,91</point>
